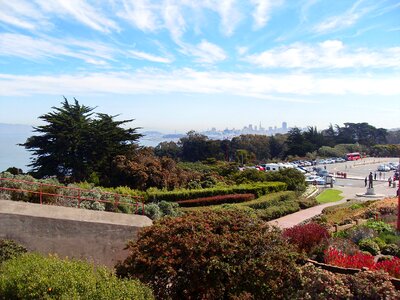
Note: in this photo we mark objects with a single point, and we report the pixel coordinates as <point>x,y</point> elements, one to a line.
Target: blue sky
<point>186,64</point>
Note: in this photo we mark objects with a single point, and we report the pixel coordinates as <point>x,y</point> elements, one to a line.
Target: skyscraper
<point>284,126</point>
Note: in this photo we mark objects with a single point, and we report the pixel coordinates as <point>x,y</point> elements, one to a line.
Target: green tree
<point>74,144</point>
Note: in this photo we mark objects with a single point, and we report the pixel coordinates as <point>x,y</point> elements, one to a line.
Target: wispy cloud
<point>347,19</point>
<point>140,13</point>
<point>156,81</point>
<point>21,14</point>
<point>263,10</point>
<point>81,11</point>
<point>204,52</point>
<point>329,54</point>
<point>149,57</point>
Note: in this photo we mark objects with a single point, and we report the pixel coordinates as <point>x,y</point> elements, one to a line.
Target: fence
<point>70,193</point>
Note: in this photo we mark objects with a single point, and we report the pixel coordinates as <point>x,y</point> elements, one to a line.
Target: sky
<point>177,65</point>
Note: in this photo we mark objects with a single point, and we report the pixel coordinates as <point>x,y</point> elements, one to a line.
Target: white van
<point>275,167</point>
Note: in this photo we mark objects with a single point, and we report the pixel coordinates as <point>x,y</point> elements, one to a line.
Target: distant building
<point>284,126</point>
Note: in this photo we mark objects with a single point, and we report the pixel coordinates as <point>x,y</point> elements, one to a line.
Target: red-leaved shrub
<point>306,236</point>
<point>391,266</point>
<point>359,260</point>
<point>233,198</point>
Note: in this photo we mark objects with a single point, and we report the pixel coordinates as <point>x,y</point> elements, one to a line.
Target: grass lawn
<point>329,196</point>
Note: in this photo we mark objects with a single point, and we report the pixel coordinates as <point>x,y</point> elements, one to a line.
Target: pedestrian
<point>375,176</point>
<point>370,181</point>
<point>390,181</point>
<point>380,175</point>
<point>366,181</point>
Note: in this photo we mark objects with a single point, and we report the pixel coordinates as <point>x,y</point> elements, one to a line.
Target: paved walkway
<point>348,192</point>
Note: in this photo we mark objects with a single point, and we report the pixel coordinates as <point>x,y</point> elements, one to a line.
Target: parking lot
<point>356,173</point>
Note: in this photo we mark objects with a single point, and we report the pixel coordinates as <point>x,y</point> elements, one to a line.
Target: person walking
<point>375,176</point>
<point>366,181</point>
<point>390,181</point>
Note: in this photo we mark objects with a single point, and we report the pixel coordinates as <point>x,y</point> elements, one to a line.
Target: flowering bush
<point>306,236</point>
<point>359,260</point>
<point>369,245</point>
<point>213,255</point>
<point>391,266</point>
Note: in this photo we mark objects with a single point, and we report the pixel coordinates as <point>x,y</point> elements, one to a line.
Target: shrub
<point>307,202</point>
<point>391,249</point>
<point>321,284</point>
<point>170,209</point>
<point>279,210</point>
<point>306,236</point>
<point>209,255</point>
<point>360,232</point>
<point>294,179</point>
<point>391,266</point>
<point>359,260</point>
<point>368,285</point>
<point>258,189</point>
<point>10,249</point>
<point>390,238</point>
<point>369,245</point>
<point>379,226</point>
<point>32,276</point>
<point>270,200</point>
<point>344,245</point>
<point>235,198</point>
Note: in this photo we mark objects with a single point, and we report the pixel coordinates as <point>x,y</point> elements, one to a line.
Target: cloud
<point>262,11</point>
<point>347,19</point>
<point>140,13</point>
<point>204,52</point>
<point>174,20</point>
<point>149,57</point>
<point>21,14</point>
<point>329,54</point>
<point>291,87</point>
<point>81,11</point>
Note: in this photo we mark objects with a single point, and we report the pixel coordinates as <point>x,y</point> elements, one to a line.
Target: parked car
<point>384,168</point>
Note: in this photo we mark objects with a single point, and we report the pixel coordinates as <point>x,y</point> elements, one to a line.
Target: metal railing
<point>39,188</point>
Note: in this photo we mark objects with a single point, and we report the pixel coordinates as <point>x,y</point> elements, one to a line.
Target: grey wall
<point>102,242</point>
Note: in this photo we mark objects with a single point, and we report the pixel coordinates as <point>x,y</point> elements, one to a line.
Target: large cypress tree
<point>75,143</point>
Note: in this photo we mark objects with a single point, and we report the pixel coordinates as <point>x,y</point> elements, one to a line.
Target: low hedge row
<point>271,200</point>
<point>257,189</point>
<point>279,210</point>
<point>232,198</point>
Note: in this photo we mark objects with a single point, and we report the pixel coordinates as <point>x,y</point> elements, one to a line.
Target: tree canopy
<point>77,143</point>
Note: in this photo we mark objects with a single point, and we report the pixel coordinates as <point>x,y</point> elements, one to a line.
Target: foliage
<point>270,200</point>
<point>212,255</point>
<point>161,209</point>
<point>330,195</point>
<point>369,245</point>
<point>391,249</point>
<point>234,198</point>
<point>257,189</point>
<point>359,233</point>
<point>344,245</point>
<point>307,202</point>
<point>10,249</point>
<point>306,236</point>
<point>279,210</point>
<point>391,266</point>
<point>68,144</point>
<point>379,226</point>
<point>294,179</point>
<point>368,285</point>
<point>141,170</point>
<point>14,171</point>
<point>358,260</point>
<point>320,284</point>
<point>32,276</point>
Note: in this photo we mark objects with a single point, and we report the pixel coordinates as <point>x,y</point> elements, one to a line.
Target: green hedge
<point>270,200</point>
<point>32,276</point>
<point>280,210</point>
<point>257,189</point>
